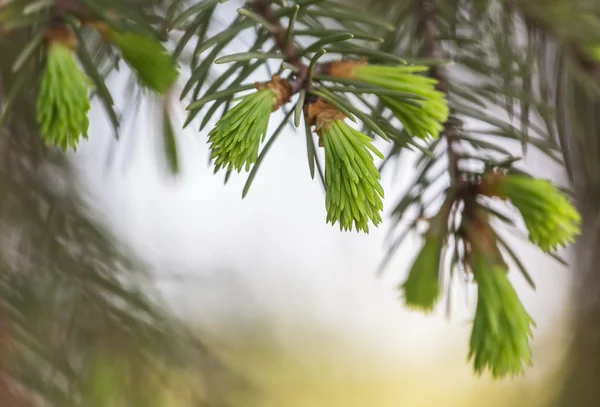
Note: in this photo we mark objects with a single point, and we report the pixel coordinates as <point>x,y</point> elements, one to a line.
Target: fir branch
<point>285,44</point>
<point>432,49</point>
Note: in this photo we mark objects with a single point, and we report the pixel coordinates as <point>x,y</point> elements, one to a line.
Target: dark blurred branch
<point>578,112</point>
<point>66,286</point>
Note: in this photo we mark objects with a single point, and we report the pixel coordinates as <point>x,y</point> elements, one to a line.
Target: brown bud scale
<point>343,69</point>
<point>280,87</point>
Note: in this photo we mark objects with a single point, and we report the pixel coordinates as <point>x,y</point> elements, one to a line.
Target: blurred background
<point>296,304</point>
<point>294,307</point>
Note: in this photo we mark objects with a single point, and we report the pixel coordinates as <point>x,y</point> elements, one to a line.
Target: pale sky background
<point>272,255</point>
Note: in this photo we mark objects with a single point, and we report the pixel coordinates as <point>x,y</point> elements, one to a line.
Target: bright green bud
<point>424,116</point>
<point>424,120</point>
<point>422,287</point>
<point>236,138</point>
<point>62,103</point>
<point>550,218</point>
<point>502,327</point>
<point>155,68</point>
<point>354,192</point>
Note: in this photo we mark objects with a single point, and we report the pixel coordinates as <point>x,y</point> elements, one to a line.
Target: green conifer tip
<point>154,66</point>
<point>425,116</point>
<point>236,138</point>
<point>422,287</point>
<point>353,195</point>
<point>354,192</point>
<point>63,103</point>
<point>551,220</point>
<point>502,327</point>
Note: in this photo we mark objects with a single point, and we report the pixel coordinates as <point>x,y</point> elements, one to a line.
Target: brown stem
<point>279,33</point>
<point>431,49</point>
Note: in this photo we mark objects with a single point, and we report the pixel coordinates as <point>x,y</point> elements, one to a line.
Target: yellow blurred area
<point>321,372</point>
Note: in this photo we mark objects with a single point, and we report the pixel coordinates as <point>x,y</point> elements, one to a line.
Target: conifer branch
<point>432,49</point>
<point>284,43</point>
